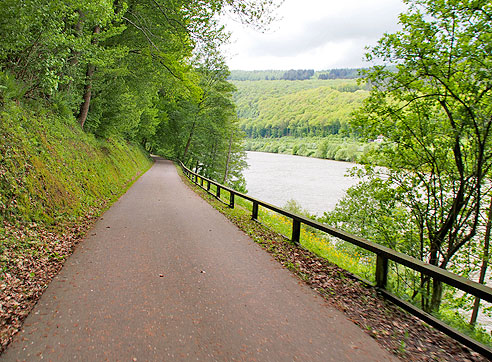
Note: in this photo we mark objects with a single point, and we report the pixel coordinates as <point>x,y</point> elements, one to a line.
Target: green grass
<point>54,176</point>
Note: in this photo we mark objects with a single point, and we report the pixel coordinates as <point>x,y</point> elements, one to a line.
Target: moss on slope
<point>54,182</point>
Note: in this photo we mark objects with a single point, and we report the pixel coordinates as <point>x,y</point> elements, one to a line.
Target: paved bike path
<point>163,276</point>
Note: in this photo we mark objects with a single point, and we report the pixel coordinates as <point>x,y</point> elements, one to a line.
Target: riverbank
<point>331,147</point>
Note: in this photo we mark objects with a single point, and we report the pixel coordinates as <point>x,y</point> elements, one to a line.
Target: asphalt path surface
<point>163,276</point>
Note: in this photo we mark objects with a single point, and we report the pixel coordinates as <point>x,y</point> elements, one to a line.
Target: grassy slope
<point>54,182</point>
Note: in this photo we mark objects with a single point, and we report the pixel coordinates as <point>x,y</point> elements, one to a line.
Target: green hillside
<point>299,108</point>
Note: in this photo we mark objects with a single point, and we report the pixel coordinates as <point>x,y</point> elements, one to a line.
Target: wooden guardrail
<point>383,255</point>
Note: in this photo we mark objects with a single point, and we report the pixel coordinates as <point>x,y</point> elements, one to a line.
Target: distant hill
<point>298,108</point>
<point>295,74</point>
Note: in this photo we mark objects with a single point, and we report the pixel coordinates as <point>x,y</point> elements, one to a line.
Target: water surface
<point>317,184</point>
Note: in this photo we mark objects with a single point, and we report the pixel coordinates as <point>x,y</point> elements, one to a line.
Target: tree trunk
<point>485,263</point>
<point>436,293</point>
<point>189,140</point>
<point>226,172</point>
<point>214,155</point>
<point>84,107</point>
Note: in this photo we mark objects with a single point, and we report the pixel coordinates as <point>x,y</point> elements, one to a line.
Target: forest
<point>298,108</point>
<point>148,71</point>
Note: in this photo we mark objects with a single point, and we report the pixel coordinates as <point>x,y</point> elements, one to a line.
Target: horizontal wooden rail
<point>383,254</point>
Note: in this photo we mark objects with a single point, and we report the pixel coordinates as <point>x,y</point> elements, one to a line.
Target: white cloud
<point>317,34</point>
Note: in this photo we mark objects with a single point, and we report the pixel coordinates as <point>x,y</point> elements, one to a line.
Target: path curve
<point>163,276</point>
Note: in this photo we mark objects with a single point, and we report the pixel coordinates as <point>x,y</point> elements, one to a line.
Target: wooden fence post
<point>381,271</point>
<point>254,215</point>
<point>296,231</point>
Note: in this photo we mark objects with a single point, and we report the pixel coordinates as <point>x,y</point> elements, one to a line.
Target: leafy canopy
<point>434,111</point>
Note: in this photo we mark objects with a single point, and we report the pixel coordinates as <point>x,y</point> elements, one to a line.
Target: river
<point>315,183</point>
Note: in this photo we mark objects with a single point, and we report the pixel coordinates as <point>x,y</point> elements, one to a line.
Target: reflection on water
<point>315,183</point>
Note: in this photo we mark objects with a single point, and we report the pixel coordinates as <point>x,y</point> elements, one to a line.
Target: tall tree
<point>136,69</point>
<point>435,112</point>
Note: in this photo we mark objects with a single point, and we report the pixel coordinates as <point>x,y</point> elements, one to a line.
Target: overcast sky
<point>314,34</point>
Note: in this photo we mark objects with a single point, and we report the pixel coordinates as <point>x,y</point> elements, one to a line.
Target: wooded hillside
<point>299,108</point>
<point>150,71</point>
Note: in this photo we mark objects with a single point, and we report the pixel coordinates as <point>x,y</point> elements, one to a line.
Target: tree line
<point>139,69</point>
<point>297,108</point>
<point>295,74</point>
<point>346,73</point>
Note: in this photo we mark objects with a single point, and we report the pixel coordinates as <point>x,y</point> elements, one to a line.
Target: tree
<point>484,261</point>
<point>39,36</point>
<point>149,71</point>
<point>299,74</point>
<point>71,50</point>
<point>435,112</point>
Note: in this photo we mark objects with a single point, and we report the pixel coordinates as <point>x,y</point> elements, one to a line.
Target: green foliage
<point>345,73</point>
<point>434,111</point>
<point>299,74</point>
<point>10,89</point>
<point>295,207</point>
<point>382,219</point>
<point>51,171</point>
<point>456,320</point>
<point>128,68</point>
<point>43,39</point>
<point>201,129</point>
<point>332,147</point>
<point>297,108</point>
